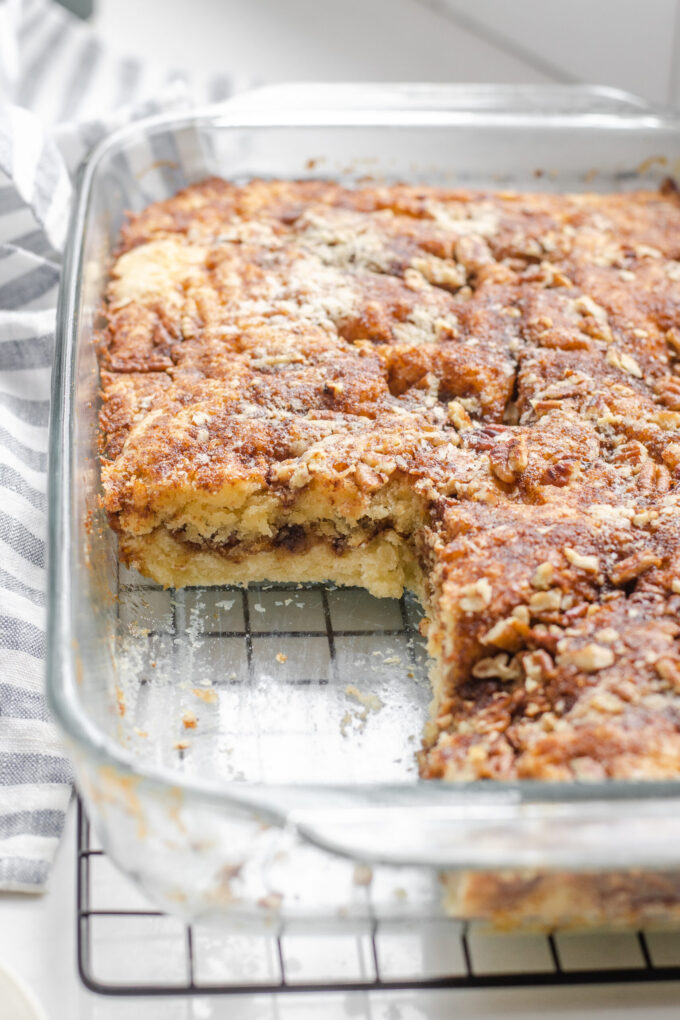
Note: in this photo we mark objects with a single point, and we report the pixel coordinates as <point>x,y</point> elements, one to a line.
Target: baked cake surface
<point>473,395</point>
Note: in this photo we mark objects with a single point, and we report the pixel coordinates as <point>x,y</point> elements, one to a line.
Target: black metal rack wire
<point>449,952</point>
<point>188,981</point>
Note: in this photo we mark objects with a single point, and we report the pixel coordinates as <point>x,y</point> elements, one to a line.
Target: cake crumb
<point>345,723</point>
<point>208,696</point>
<point>370,701</point>
<point>225,604</point>
<point>120,701</point>
<point>272,901</point>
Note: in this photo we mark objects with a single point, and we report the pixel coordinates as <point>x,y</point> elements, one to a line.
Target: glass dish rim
<point>308,105</point>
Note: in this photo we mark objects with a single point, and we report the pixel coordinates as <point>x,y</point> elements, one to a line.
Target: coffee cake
<point>475,395</point>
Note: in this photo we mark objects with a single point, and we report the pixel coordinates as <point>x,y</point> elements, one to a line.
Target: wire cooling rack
<point>127,948</point>
<point>277,658</point>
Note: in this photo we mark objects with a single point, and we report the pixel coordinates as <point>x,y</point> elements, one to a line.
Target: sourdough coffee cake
<point>474,395</point>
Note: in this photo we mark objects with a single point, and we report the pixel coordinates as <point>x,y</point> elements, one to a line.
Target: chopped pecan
<point>458,416</point>
<point>546,601</point>
<point>630,568</point>
<point>473,252</point>
<point>589,658</point>
<point>486,436</point>
<point>632,453</point>
<point>509,634</point>
<point>673,339</point>
<point>590,564</point>
<point>366,477</point>
<point>596,322</point>
<point>671,456</point>
<point>669,670</point>
<point>560,473</point>
<point>440,272</point>
<point>538,665</point>
<point>475,596</point>
<point>667,390</point>
<point>607,635</point>
<point>543,576</point>
<point>500,666</point>
<point>624,362</point>
<point>509,460</point>
<point>653,479</point>
<point>607,702</point>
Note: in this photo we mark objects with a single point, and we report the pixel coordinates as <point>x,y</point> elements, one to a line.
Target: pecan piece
<point>653,478</point>
<point>509,633</point>
<point>671,456</point>
<point>630,568</point>
<point>499,666</point>
<point>509,460</point>
<point>669,670</point>
<point>589,658</point>
<point>590,564</point>
<point>633,453</point>
<point>624,362</point>
<point>560,473</point>
<point>668,392</point>
<point>476,596</point>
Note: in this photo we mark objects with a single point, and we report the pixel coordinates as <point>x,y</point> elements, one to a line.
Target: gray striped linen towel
<point>60,92</point>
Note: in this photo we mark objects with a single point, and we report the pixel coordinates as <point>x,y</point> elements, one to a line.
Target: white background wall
<point>633,44</point>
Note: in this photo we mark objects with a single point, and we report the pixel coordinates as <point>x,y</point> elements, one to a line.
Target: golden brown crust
<point>488,382</point>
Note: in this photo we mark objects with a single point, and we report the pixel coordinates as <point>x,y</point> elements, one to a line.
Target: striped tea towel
<point>55,78</point>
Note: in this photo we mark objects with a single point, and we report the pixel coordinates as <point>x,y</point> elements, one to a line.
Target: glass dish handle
<point>461,98</point>
<point>501,830</point>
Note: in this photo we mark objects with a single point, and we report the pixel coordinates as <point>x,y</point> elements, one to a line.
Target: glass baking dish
<point>245,754</point>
